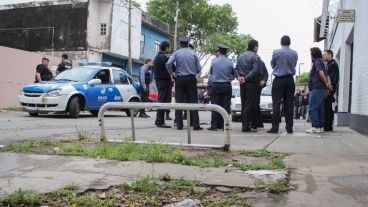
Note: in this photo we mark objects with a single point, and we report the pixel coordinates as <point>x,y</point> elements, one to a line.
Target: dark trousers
<point>221,95</point>
<point>144,97</point>
<point>257,119</point>
<point>164,96</point>
<point>329,113</point>
<point>283,89</point>
<point>186,92</point>
<point>248,95</point>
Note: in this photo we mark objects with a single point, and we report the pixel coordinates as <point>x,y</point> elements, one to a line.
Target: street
<point>328,170</point>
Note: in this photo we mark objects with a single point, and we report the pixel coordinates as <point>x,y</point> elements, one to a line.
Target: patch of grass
<point>260,184</point>
<point>28,146</point>
<point>228,201</point>
<point>20,198</point>
<point>278,187</point>
<point>83,135</point>
<point>182,183</point>
<point>256,153</point>
<point>87,201</point>
<point>144,184</point>
<point>276,163</point>
<point>14,108</point>
<point>212,159</point>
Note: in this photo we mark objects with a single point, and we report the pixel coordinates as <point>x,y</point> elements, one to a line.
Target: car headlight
<point>54,93</point>
<point>21,92</point>
<point>270,106</point>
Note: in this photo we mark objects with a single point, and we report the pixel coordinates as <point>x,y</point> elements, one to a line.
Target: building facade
<point>348,39</point>
<point>87,30</point>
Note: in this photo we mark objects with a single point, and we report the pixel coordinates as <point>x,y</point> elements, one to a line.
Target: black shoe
<point>290,131</point>
<point>249,130</point>
<point>179,127</point>
<point>163,126</point>
<point>212,129</point>
<point>260,126</point>
<point>197,128</point>
<point>169,118</point>
<point>271,131</point>
<point>143,116</point>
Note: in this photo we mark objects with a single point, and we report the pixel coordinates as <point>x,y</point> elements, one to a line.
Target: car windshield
<point>80,74</point>
<point>235,92</point>
<point>266,91</point>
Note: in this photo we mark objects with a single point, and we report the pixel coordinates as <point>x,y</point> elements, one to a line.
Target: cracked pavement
<point>329,170</point>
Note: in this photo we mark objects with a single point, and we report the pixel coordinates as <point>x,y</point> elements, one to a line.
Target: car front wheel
<point>74,107</point>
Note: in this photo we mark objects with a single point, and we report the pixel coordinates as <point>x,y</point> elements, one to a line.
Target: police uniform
<point>144,79</point>
<point>187,68</point>
<point>222,73</point>
<point>263,76</point>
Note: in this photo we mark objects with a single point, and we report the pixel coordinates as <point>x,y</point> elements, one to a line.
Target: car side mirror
<point>94,82</point>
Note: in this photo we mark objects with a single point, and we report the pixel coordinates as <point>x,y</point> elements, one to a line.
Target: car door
<point>98,95</point>
<point>124,86</point>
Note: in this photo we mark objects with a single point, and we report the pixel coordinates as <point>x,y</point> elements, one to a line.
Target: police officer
<point>187,68</point>
<point>145,79</point>
<point>222,73</point>
<point>247,69</point>
<point>283,62</point>
<point>263,78</point>
<point>43,73</point>
<point>163,82</point>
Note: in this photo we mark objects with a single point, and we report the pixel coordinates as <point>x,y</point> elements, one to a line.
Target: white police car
<point>87,87</point>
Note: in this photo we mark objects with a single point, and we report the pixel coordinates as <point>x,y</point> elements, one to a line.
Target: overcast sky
<point>268,20</point>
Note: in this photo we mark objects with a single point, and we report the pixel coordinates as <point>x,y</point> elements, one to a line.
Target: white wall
<point>99,12</point>
<point>360,62</point>
<point>119,36</point>
<point>346,33</point>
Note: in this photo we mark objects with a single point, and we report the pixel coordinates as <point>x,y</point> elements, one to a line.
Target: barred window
<point>103,28</point>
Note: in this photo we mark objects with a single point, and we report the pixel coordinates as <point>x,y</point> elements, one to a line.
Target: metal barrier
<point>165,106</point>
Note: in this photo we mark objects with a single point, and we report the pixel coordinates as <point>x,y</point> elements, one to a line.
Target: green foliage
<point>144,184</point>
<point>276,163</point>
<point>232,200</point>
<point>28,146</point>
<point>87,201</point>
<point>211,159</point>
<point>198,18</point>
<point>83,135</point>
<point>256,153</point>
<point>259,184</point>
<point>20,199</point>
<point>237,42</point>
<point>278,187</point>
<point>303,78</point>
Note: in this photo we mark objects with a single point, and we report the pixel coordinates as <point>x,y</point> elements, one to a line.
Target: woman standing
<point>318,86</point>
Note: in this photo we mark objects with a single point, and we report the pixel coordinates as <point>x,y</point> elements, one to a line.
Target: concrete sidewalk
<point>330,169</point>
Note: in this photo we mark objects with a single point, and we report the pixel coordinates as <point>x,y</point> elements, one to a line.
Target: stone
<point>186,203</point>
<point>200,189</point>
<point>102,196</point>
<point>56,149</point>
<point>224,189</point>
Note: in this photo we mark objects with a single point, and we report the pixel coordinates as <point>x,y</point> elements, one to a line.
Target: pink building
<point>18,68</point>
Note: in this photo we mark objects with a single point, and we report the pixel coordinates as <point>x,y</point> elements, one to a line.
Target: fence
<point>165,106</point>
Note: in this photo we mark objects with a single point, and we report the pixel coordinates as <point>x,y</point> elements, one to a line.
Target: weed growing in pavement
<point>83,135</point>
<point>278,187</point>
<point>255,153</point>
<point>20,198</point>
<point>260,184</point>
<point>144,184</point>
<point>232,200</point>
<point>276,163</point>
<point>28,146</point>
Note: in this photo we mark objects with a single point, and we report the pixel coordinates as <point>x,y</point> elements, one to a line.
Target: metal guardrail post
<point>164,106</point>
<point>188,128</point>
<point>132,122</point>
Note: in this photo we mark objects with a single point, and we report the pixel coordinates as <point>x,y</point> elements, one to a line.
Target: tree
<point>197,19</point>
<point>303,78</point>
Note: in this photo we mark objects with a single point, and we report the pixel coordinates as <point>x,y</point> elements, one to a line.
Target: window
<point>143,38</point>
<point>103,28</point>
<point>104,76</point>
<point>120,78</point>
<point>157,46</point>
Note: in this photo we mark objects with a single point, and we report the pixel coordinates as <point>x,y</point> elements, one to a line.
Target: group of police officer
<point>183,67</point>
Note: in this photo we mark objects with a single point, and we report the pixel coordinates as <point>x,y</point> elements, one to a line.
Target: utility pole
<point>176,26</point>
<point>130,64</point>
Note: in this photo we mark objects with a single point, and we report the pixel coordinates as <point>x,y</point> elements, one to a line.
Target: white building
<point>348,39</point>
